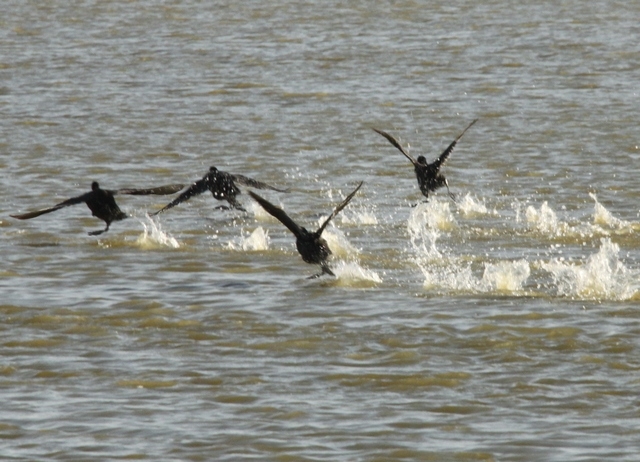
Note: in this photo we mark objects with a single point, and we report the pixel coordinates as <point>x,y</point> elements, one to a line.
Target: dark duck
<point>222,186</point>
<point>102,203</point>
<point>428,175</point>
<point>310,244</point>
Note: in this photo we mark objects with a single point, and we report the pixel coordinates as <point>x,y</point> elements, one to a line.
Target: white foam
<point>442,272</point>
<point>470,206</point>
<point>543,220</point>
<point>259,213</point>
<point>422,235</point>
<point>360,217</point>
<point>154,237</point>
<point>505,276</point>
<point>601,276</point>
<point>501,277</point>
<point>602,217</point>
<point>352,273</point>
<point>257,240</point>
<point>434,214</point>
<point>338,243</point>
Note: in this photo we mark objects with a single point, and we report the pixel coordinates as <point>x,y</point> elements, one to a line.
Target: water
<point>503,326</point>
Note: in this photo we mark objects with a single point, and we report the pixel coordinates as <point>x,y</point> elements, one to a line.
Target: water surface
<point>502,326</point>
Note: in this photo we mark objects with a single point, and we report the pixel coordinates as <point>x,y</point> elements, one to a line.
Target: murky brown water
<point>503,326</point>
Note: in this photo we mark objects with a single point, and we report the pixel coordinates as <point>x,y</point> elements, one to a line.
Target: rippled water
<point>502,326</point>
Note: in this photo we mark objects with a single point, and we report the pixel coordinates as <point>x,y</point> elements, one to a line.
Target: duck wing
<point>196,188</point>
<point>342,205</point>
<point>246,181</point>
<point>395,142</point>
<point>277,213</point>
<point>439,162</point>
<point>160,190</point>
<point>68,202</point>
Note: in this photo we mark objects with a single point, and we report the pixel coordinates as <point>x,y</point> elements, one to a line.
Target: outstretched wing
<point>445,155</point>
<point>196,188</point>
<point>68,202</point>
<point>394,142</point>
<point>245,180</point>
<point>277,213</point>
<point>342,205</point>
<point>160,190</point>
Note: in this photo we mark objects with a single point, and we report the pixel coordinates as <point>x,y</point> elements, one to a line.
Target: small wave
<point>602,217</point>
<point>601,276</point>
<point>154,237</point>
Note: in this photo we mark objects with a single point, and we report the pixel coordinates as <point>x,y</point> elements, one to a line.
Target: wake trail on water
<point>435,234</point>
<point>600,276</point>
<point>442,271</point>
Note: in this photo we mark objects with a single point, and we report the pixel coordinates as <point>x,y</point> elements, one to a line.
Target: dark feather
<point>159,191</point>
<point>395,142</point>
<point>196,188</point>
<point>277,213</point>
<point>311,246</point>
<point>244,180</point>
<point>68,202</point>
<point>445,154</point>
<point>342,205</point>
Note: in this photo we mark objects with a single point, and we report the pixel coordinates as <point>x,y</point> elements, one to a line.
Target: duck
<point>428,174</point>
<point>102,203</point>
<point>312,247</point>
<point>222,186</point>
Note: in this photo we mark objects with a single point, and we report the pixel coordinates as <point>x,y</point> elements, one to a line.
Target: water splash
<point>422,236</point>
<point>259,213</point>
<point>601,277</point>
<point>351,273</point>
<point>257,240</point>
<point>361,217</point>
<point>153,237</point>
<point>339,244</point>
<point>470,206</point>
<point>435,215</point>
<point>451,277</point>
<point>543,220</point>
<point>443,272</point>
<point>602,217</point>
<point>505,276</point>
<point>423,239</point>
